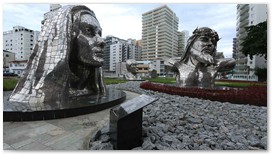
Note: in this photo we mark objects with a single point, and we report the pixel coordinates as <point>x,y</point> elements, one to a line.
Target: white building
<point>53,8</point>
<point>119,50</point>
<point>159,34</point>
<point>115,55</point>
<point>183,36</point>
<point>8,57</point>
<point>247,15</point>
<point>18,67</point>
<point>20,41</point>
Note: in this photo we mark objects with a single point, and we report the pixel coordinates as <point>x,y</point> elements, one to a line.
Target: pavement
<point>72,133</point>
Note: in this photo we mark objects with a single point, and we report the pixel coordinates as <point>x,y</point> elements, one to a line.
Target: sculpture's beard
<point>204,56</point>
<point>208,50</point>
<point>133,70</point>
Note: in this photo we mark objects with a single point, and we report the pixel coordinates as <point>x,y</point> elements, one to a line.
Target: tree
<point>153,74</point>
<point>261,73</point>
<point>256,41</point>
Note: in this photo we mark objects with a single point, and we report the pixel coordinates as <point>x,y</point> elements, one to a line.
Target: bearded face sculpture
<point>199,66</point>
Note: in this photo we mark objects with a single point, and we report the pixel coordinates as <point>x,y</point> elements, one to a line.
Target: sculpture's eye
<point>204,39</point>
<point>88,31</point>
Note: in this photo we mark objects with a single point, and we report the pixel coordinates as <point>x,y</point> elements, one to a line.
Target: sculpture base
<point>22,112</point>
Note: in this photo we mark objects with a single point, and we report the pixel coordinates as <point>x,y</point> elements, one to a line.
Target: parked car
<point>9,74</point>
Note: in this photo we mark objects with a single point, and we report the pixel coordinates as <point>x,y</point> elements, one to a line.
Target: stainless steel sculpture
<point>66,63</point>
<point>132,69</point>
<point>200,64</point>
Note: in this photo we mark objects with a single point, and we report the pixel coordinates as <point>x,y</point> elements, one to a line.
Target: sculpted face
<point>133,68</point>
<point>204,45</point>
<point>90,43</point>
<point>131,65</point>
<point>203,49</point>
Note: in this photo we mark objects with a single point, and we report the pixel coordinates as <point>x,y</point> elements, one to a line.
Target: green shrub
<point>9,83</point>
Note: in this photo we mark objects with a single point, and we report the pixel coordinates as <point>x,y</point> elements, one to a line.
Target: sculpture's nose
<point>100,42</point>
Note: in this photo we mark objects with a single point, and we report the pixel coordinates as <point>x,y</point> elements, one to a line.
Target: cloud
<point>27,15</point>
<point>125,20</point>
<point>118,20</point>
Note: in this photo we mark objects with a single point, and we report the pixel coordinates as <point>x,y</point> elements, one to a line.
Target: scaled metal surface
<point>200,64</point>
<point>132,69</point>
<point>66,63</point>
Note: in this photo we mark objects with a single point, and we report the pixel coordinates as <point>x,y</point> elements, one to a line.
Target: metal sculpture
<point>132,69</point>
<point>200,64</point>
<point>66,63</point>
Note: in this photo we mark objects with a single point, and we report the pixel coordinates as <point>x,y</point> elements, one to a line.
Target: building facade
<point>116,52</point>
<point>119,50</point>
<point>183,36</point>
<point>109,40</point>
<point>159,34</point>
<point>247,15</point>
<point>20,41</point>
<point>8,57</point>
<point>18,67</point>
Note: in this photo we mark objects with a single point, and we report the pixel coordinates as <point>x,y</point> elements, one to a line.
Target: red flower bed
<point>253,95</point>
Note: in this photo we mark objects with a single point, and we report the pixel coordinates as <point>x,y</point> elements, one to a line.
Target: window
<point>10,65</point>
<point>7,55</point>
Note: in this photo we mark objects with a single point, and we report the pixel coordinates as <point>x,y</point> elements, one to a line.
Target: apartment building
<point>159,34</point>
<point>119,50</point>
<point>183,36</point>
<point>247,15</point>
<point>21,41</point>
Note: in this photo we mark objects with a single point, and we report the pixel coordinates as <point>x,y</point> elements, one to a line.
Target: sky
<point>124,20</point>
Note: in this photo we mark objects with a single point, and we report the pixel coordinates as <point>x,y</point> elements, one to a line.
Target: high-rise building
<point>109,40</point>
<point>182,42</point>
<point>115,55</point>
<point>133,50</point>
<point>234,42</point>
<point>20,41</point>
<point>247,15</point>
<point>159,34</point>
<point>51,12</point>
<point>118,50</point>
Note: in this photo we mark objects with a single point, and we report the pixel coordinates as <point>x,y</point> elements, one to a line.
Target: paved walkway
<point>60,134</point>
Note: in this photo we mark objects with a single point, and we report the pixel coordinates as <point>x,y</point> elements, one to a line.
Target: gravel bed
<point>183,123</point>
